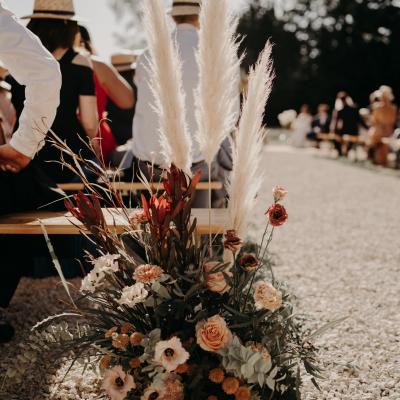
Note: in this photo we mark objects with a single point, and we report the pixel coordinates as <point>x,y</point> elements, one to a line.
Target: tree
<point>128,11</point>
<point>323,46</point>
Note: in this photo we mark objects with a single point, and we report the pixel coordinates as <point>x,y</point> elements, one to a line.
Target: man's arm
<point>34,67</point>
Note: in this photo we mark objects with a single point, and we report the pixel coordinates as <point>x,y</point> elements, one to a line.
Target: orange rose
<point>267,297</point>
<point>213,334</point>
<point>215,281</point>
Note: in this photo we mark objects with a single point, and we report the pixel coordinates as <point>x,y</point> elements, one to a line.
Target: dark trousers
<point>27,190</point>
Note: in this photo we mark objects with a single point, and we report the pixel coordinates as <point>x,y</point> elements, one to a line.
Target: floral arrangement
<point>166,317</point>
<point>163,314</point>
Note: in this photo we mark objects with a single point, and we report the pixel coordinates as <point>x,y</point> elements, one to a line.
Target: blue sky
<point>99,18</point>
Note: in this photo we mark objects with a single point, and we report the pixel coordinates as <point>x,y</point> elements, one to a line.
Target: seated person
<point>76,121</point>
<point>321,123</point>
<point>146,148</point>
<point>383,122</point>
<point>24,185</point>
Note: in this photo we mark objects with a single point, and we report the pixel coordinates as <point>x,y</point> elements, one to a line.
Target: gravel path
<point>339,252</point>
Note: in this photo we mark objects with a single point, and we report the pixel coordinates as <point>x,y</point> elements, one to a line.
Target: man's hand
<point>12,160</point>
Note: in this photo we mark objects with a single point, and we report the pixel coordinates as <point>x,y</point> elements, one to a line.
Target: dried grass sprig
<point>166,82</point>
<point>247,175</point>
<point>217,99</point>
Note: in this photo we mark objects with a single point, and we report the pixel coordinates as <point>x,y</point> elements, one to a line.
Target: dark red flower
<point>277,215</point>
<point>232,240</point>
<point>249,262</point>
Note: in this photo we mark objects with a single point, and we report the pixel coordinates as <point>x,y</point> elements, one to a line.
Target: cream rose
<point>267,297</point>
<point>213,334</point>
<point>215,281</point>
<point>279,193</point>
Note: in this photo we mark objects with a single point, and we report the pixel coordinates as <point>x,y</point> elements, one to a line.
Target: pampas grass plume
<point>247,175</point>
<point>217,99</point>
<point>166,82</point>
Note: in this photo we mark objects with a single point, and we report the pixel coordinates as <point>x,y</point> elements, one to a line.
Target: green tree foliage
<point>323,46</point>
<point>128,12</point>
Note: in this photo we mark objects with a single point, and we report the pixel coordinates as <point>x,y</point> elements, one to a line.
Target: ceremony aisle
<point>339,252</point>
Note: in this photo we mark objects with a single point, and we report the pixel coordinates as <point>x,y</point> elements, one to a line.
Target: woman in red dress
<point>109,85</point>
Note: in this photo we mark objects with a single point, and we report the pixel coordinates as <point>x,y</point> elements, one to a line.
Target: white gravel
<point>339,252</point>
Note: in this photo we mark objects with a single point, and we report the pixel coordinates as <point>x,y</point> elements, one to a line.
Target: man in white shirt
<point>146,144</point>
<point>33,66</point>
<point>21,184</point>
<point>146,147</point>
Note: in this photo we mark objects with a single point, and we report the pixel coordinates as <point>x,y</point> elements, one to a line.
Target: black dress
<point>121,121</point>
<point>77,80</point>
<point>350,120</point>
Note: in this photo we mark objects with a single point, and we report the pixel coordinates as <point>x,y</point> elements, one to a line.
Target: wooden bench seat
<point>328,137</point>
<point>353,139</point>
<point>60,223</point>
<point>135,186</point>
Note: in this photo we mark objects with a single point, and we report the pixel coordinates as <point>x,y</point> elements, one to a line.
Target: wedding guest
<point>24,185</point>
<point>76,121</point>
<point>110,87</point>
<point>146,145</point>
<point>346,120</point>
<point>121,119</point>
<point>383,122</point>
<point>321,123</point>
<point>301,126</point>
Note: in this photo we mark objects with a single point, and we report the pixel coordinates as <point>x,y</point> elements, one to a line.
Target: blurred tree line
<point>323,46</point>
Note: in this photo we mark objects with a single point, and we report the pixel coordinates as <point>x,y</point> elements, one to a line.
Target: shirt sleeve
<point>86,84</point>
<point>34,67</point>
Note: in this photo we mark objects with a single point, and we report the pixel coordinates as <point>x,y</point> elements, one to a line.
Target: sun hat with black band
<point>125,60</point>
<point>53,9</point>
<point>185,7</point>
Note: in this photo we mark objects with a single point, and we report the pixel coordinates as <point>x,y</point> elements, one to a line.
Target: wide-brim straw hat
<point>125,60</point>
<point>53,9</point>
<point>185,7</point>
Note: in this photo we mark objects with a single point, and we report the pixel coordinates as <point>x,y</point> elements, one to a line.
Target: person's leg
<point>24,191</point>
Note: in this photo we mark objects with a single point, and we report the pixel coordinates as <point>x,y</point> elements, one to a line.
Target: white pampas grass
<point>246,175</point>
<point>217,97</point>
<point>166,82</point>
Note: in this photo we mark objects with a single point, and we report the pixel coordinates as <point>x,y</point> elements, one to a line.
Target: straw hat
<point>53,9</point>
<point>185,7</point>
<point>125,60</point>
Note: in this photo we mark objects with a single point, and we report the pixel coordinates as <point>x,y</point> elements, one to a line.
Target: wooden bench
<point>60,223</point>
<point>135,186</point>
<point>326,137</point>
